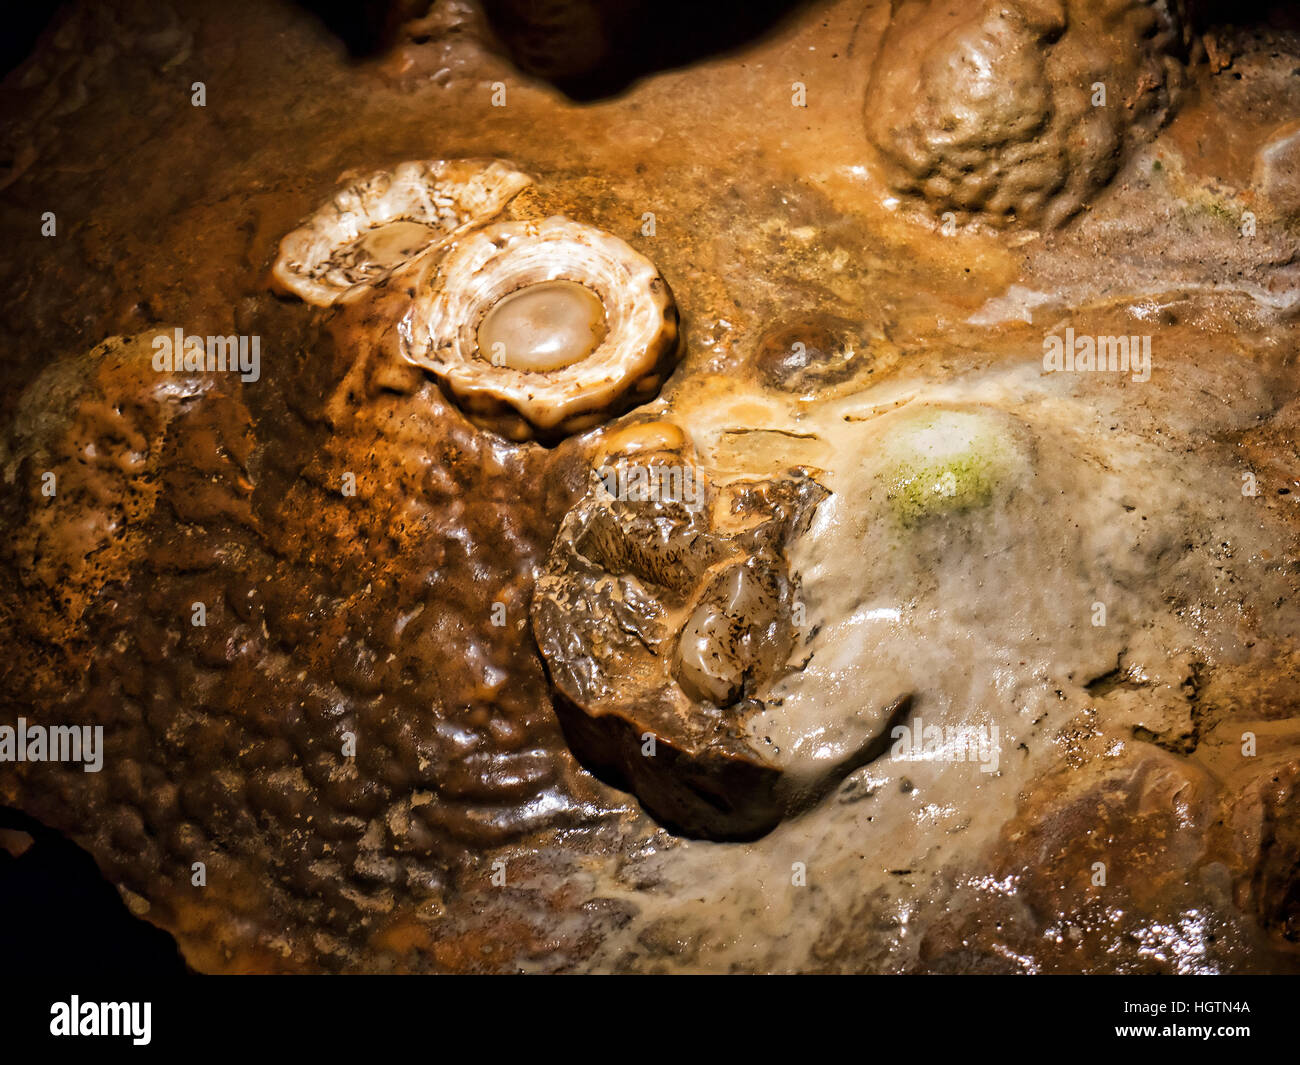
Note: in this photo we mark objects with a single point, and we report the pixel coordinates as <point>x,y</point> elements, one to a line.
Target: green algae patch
<point>939,462</point>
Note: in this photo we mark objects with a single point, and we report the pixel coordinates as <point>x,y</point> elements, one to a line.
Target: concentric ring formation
<point>441,331</point>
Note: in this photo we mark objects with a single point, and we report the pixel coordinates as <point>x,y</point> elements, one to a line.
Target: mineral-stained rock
<point>362,744</point>
<point>664,616</point>
<point>1019,111</point>
<point>227,738</point>
<point>84,457</point>
<point>1277,171</point>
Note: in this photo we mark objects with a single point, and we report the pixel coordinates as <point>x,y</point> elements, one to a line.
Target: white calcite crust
<point>639,348</point>
<point>385,221</point>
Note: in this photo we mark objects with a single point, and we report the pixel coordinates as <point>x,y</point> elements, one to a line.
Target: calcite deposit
<point>378,226</point>
<point>543,327</point>
<point>1020,112</point>
<point>874,546</point>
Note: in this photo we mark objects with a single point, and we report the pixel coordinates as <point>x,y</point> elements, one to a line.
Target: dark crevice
<point>66,919</point>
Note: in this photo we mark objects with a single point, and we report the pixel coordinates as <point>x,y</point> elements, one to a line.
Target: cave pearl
<point>543,327</point>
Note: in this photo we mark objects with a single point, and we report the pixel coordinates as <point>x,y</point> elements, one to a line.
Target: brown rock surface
<point>463,834</point>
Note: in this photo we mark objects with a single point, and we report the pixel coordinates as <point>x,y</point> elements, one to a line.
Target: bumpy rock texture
<point>1020,111</point>
<point>231,734</point>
